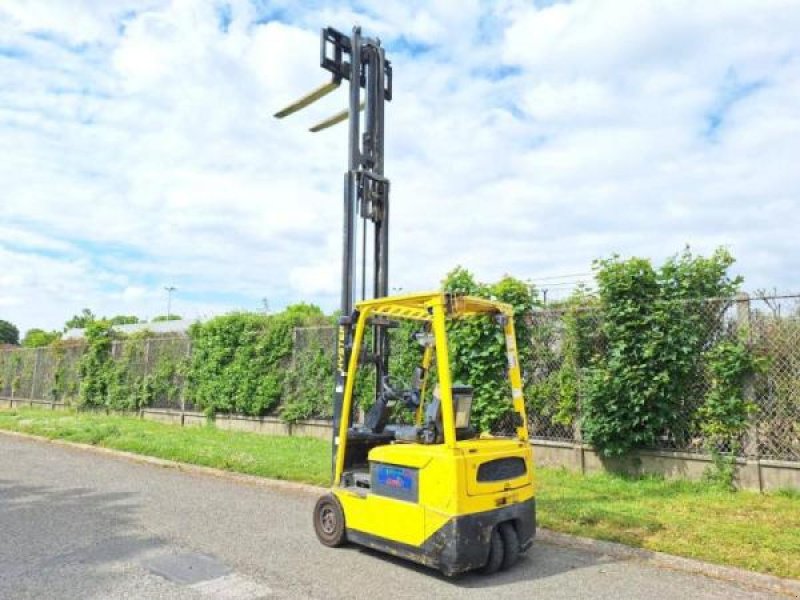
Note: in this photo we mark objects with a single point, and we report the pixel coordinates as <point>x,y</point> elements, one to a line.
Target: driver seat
<point>432,432</point>
<point>404,433</point>
<point>411,433</point>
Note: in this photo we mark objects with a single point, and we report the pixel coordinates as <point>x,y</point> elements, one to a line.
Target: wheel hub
<point>327,519</point>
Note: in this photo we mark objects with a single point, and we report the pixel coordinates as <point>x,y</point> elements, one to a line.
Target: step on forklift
<point>435,491</point>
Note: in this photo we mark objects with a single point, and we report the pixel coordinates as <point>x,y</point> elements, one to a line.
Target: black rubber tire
<point>496,554</point>
<point>329,521</point>
<point>510,545</point>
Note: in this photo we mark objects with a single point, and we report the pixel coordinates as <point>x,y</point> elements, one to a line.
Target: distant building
<point>177,327</point>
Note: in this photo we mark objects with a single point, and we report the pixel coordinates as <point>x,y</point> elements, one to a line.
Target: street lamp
<point>170,289</point>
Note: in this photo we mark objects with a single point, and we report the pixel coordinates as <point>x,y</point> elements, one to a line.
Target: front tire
<point>329,521</point>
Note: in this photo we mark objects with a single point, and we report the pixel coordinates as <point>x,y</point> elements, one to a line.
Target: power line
<point>551,277</point>
<point>563,284</point>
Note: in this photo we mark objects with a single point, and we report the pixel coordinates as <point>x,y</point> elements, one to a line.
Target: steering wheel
<point>393,387</point>
<point>397,389</point>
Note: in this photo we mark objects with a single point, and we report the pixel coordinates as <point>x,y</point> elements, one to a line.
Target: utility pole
<point>170,289</point>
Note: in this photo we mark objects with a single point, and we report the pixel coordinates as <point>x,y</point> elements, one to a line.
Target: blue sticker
<point>395,482</point>
<point>395,478</point>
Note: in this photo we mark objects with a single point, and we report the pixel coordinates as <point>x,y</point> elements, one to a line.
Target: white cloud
<point>77,21</point>
<point>316,279</point>
<point>138,148</point>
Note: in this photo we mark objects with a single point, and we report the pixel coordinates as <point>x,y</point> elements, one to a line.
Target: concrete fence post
<point>577,433</point>
<point>34,375</point>
<point>751,451</point>
<point>146,368</point>
<point>14,379</point>
<point>577,444</point>
<point>743,328</point>
<point>294,347</point>
<point>183,384</point>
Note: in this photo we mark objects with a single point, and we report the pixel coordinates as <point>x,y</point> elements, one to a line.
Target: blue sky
<point>137,149</point>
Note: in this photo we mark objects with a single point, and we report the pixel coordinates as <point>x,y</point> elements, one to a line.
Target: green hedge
<point>657,323</point>
<point>241,362</point>
<point>131,380</point>
<point>623,363</point>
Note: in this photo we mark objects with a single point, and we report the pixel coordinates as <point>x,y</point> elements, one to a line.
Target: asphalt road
<point>76,524</point>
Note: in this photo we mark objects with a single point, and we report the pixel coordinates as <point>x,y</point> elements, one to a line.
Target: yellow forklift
<point>435,491</point>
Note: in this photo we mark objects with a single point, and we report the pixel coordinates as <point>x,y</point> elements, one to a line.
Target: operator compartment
<point>496,465</point>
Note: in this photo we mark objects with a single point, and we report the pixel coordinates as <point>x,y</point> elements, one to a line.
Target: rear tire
<point>329,521</point>
<point>510,544</point>
<point>496,554</point>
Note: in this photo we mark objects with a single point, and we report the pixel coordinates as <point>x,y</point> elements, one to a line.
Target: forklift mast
<point>362,62</point>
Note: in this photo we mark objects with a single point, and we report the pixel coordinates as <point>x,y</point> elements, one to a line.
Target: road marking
<point>232,587</point>
<point>186,567</point>
<point>206,575</point>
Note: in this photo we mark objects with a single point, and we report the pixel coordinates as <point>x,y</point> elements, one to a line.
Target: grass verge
<point>277,457</point>
<point>754,531</point>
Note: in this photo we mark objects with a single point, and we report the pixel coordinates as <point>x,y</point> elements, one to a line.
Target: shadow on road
<point>57,539</point>
<point>540,562</point>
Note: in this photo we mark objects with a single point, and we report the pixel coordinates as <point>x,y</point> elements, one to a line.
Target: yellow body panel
<point>385,517</point>
<point>447,488</point>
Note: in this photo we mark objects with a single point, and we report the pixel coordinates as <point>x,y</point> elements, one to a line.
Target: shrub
<point>657,326</point>
<point>239,361</point>
<point>95,364</point>
<point>308,385</point>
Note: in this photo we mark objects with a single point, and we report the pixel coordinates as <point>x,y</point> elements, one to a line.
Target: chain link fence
<point>154,366</point>
<point>555,374</point>
<point>774,332</point>
<point>565,342</point>
<point>47,374</point>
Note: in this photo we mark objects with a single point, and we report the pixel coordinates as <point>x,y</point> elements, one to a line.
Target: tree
<point>9,334</point>
<point>81,321</point>
<point>124,320</point>
<point>657,323</point>
<point>36,338</point>
<point>303,312</point>
<point>160,318</point>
